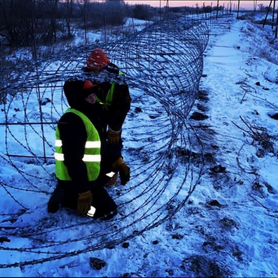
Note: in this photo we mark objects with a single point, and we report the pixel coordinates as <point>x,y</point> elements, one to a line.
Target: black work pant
<point>67,195</point>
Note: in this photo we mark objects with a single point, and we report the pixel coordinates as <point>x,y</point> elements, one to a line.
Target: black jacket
<point>73,135</point>
<point>73,132</point>
<point>116,113</point>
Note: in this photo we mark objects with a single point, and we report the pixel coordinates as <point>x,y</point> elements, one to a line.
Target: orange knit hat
<point>98,60</point>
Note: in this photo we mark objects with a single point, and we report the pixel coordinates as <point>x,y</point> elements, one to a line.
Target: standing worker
<point>78,155</point>
<point>115,100</point>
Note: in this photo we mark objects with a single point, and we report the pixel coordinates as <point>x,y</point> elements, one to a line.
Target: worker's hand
<point>124,170</point>
<point>114,137</point>
<point>84,202</point>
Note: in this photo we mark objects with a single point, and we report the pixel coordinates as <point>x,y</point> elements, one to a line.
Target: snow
<point>271,74</point>
<point>90,36</point>
<point>235,236</point>
<point>134,24</point>
<point>223,81</point>
<point>135,21</point>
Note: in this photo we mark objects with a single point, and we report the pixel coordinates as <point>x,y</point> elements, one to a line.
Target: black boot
<point>55,200</point>
<point>105,206</point>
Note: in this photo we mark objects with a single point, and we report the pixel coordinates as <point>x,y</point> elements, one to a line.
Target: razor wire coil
<point>163,65</point>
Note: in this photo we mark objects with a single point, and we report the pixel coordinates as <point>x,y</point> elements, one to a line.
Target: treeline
<point>45,21</point>
<point>29,22</point>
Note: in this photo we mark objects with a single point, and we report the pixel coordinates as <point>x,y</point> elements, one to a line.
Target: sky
<point>175,3</point>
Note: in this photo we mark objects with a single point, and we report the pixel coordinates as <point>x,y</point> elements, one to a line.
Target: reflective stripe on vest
<point>91,157</point>
<point>86,157</point>
<point>110,94</point>
<point>88,144</point>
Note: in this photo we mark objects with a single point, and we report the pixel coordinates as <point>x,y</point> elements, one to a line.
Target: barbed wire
<point>163,65</point>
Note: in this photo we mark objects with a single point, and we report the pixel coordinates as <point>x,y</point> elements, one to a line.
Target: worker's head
<point>97,61</point>
<point>80,93</point>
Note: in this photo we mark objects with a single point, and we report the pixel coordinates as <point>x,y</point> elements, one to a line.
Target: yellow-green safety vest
<point>110,94</point>
<point>91,157</point>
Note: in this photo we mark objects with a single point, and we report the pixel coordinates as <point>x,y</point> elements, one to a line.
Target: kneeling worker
<point>80,179</point>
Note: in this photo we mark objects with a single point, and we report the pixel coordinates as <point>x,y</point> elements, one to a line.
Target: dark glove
<point>114,137</point>
<point>84,202</point>
<point>124,170</point>
<point>111,181</point>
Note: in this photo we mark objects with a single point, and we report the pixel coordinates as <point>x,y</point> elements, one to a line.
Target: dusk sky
<point>175,3</point>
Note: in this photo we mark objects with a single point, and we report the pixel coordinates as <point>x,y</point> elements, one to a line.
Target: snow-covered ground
<point>109,34</point>
<point>228,226</point>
